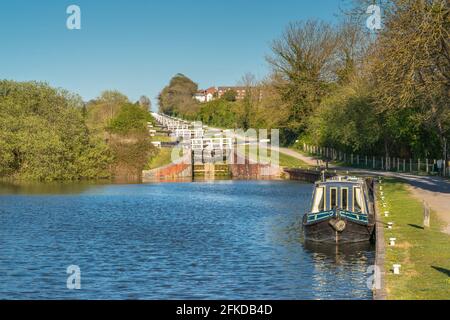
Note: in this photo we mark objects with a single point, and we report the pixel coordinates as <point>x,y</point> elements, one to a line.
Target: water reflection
<point>337,266</point>
<point>338,254</point>
<point>50,188</point>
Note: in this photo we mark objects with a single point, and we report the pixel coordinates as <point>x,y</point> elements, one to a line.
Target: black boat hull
<point>326,232</point>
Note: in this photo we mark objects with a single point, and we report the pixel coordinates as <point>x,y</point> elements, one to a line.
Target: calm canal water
<point>220,240</point>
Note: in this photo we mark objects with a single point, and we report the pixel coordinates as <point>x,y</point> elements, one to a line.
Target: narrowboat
<point>342,211</point>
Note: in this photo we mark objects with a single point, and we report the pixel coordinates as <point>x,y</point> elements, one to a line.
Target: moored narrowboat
<point>342,211</point>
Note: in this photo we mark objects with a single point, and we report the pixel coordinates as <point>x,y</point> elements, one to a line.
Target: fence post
<point>418,165</point>
<point>398,164</point>
<point>373,160</point>
<point>351,158</point>
<point>366,161</point>
<point>410,165</point>
<point>404,165</point>
<point>426,215</point>
<point>357,160</point>
<point>382,165</point>
<point>426,161</point>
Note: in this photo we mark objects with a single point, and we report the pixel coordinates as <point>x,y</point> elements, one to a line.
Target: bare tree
<point>145,103</point>
<point>304,58</point>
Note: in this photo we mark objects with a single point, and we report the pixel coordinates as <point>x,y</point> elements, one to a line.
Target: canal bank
<point>421,253</point>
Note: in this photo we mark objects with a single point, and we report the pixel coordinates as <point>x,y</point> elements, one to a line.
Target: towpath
<point>433,190</point>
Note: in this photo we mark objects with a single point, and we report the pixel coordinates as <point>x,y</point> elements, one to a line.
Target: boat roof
<point>341,180</point>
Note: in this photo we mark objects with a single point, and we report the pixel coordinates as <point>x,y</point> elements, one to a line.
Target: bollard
<point>390,224</point>
<point>426,215</point>
<point>382,193</point>
<point>386,213</point>
<point>392,241</point>
<point>396,268</point>
<point>381,188</point>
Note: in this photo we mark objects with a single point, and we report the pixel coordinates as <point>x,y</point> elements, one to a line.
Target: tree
<point>130,118</point>
<point>230,95</point>
<point>302,59</point>
<point>249,102</point>
<point>145,103</point>
<point>177,97</point>
<point>43,135</point>
<point>410,64</point>
<point>104,108</point>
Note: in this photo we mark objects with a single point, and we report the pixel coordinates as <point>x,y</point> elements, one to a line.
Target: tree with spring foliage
<point>410,65</point>
<point>43,135</point>
<point>177,97</point>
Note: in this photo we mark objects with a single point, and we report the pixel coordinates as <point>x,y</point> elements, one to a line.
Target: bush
<point>43,135</point>
<point>130,118</point>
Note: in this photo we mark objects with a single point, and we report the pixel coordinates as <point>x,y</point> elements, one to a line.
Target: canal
<point>218,240</point>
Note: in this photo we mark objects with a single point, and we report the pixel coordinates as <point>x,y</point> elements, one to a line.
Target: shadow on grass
<point>443,270</point>
<point>416,226</point>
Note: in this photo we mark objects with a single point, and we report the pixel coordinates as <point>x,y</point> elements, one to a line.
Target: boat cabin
<point>344,193</point>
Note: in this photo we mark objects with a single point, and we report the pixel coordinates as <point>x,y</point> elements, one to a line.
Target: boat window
<point>357,200</point>
<point>319,200</point>
<point>344,198</point>
<point>333,196</point>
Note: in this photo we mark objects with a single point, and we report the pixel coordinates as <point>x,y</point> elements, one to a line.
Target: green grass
<point>161,159</point>
<point>284,159</point>
<point>291,162</point>
<point>424,254</point>
<point>162,138</point>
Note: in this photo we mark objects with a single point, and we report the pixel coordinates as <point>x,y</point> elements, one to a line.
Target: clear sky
<point>137,46</point>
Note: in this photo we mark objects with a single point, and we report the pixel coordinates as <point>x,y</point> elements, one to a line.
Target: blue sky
<point>137,46</point>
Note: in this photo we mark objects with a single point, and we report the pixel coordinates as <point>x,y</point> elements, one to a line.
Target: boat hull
<point>326,231</point>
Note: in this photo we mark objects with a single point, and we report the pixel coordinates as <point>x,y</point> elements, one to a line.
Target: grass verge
<point>163,138</point>
<point>164,157</point>
<point>284,159</point>
<point>424,253</point>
